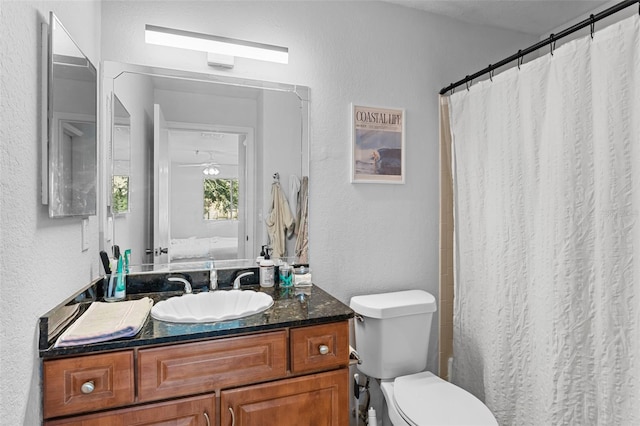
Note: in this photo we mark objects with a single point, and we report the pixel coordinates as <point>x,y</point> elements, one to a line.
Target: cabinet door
<point>314,400</point>
<point>199,411</point>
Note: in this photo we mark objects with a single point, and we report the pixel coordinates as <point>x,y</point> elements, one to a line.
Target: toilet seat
<point>424,399</point>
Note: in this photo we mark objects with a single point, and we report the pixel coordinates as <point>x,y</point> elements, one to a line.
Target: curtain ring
<point>468,82</point>
<point>593,25</point>
<point>453,89</point>
<point>519,58</point>
<point>552,44</point>
<point>490,73</point>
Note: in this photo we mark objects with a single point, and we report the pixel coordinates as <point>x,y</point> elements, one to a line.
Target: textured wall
<point>42,258</point>
<point>364,238</point>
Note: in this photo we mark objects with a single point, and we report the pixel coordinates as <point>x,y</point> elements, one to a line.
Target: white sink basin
<point>211,306</point>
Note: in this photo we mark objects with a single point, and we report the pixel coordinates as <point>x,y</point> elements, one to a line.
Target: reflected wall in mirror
<point>71,182</point>
<point>203,152</point>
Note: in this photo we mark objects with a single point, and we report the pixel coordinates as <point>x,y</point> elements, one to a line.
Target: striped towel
<point>107,321</point>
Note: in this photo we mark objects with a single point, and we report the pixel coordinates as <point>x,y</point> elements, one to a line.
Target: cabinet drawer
<point>186,369</point>
<point>198,411</point>
<point>88,383</point>
<point>319,347</point>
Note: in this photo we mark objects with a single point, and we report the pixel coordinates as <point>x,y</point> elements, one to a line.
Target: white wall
<point>364,238</point>
<point>42,260</point>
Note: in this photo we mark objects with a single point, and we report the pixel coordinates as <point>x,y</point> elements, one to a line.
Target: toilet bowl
<point>392,338</point>
<point>424,399</point>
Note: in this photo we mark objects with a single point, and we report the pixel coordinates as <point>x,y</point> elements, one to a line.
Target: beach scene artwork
<point>378,145</point>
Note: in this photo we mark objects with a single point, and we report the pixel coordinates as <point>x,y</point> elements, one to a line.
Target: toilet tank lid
<point>394,304</point>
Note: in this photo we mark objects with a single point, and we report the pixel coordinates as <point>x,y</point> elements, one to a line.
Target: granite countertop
<point>292,307</point>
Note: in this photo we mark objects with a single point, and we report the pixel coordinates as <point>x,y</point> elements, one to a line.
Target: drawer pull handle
<point>233,417</point>
<point>206,416</point>
<point>323,349</point>
<point>87,387</point>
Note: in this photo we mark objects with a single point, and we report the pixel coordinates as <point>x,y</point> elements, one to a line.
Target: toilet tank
<point>392,338</point>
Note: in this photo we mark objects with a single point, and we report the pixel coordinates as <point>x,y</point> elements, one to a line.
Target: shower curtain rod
<point>548,41</point>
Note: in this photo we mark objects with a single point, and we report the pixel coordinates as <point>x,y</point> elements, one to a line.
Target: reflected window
<point>220,199</point>
<point>120,201</point>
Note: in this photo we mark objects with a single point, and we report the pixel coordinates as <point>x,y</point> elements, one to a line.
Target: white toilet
<point>392,339</point>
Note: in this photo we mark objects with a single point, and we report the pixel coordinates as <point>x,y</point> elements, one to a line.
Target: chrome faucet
<point>187,284</point>
<point>236,282</point>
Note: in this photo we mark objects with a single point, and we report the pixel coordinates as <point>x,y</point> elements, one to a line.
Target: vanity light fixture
<point>221,50</point>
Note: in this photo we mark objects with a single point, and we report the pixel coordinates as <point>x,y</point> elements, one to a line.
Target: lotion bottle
<point>267,270</point>
<point>260,257</point>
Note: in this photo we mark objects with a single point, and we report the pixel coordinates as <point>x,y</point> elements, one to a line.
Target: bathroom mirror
<point>70,174</point>
<point>204,152</point>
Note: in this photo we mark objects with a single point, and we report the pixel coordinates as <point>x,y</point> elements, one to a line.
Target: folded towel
<point>107,321</point>
<point>62,318</point>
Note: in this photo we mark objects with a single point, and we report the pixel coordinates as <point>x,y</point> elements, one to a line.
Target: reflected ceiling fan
<point>209,168</point>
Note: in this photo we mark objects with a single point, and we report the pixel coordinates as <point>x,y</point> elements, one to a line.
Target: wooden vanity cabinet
<point>296,376</point>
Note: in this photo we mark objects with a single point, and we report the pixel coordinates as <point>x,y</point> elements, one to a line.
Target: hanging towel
<point>294,191</point>
<point>105,321</point>
<point>302,242</point>
<point>279,221</point>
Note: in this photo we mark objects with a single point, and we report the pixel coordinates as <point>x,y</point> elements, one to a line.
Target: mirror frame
<point>112,70</point>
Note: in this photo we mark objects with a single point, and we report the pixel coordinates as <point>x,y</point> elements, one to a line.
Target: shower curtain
<point>546,163</point>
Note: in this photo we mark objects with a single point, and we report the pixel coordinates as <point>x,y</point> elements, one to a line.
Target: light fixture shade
<point>211,171</point>
<point>215,44</point>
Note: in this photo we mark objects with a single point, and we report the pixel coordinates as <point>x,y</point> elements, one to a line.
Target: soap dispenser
<point>267,270</point>
<point>260,257</point>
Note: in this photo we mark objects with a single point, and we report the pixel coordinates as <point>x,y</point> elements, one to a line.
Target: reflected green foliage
<point>220,199</point>
<point>120,191</point>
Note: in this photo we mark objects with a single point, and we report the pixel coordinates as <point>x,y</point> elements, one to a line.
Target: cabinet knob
<point>87,387</point>
<point>323,349</point>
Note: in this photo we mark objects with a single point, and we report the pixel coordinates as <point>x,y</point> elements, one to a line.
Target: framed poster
<point>377,152</point>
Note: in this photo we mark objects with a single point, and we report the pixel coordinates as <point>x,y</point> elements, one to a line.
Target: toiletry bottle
<point>260,257</point>
<point>372,420</point>
<point>121,290</point>
<point>285,275</point>
<point>127,256</point>
<point>267,271</point>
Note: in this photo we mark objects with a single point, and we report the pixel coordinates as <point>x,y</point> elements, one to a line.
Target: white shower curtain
<point>547,235</point>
